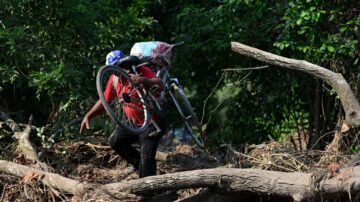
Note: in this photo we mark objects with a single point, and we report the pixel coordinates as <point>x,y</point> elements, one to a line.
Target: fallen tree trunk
<point>24,144</point>
<point>50,179</point>
<point>81,190</point>
<point>335,80</point>
<point>27,149</point>
<point>299,186</point>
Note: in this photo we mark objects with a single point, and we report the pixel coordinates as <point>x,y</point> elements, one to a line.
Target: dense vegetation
<point>50,53</point>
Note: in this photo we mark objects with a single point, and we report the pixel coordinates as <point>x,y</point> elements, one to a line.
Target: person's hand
<point>84,123</point>
<point>136,79</point>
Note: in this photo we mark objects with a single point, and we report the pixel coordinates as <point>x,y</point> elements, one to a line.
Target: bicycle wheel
<point>188,115</point>
<point>126,107</point>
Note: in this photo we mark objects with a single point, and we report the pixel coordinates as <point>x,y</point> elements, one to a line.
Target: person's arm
<point>147,82</point>
<point>148,78</point>
<point>95,110</point>
<point>98,106</point>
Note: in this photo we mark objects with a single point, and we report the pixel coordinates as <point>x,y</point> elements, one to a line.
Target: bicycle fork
<point>178,105</point>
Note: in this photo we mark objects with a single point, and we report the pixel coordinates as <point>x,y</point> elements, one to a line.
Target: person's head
<point>113,57</point>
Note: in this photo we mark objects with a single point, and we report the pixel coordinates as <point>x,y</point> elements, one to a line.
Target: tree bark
<point>299,186</point>
<point>25,146</point>
<point>11,123</point>
<point>27,149</point>
<point>50,179</point>
<point>335,80</point>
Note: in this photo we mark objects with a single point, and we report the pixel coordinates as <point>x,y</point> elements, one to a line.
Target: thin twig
<point>97,146</point>
<point>91,146</point>
<point>321,137</point>
<point>17,67</point>
<point>256,160</point>
<point>213,110</point>
<point>3,193</point>
<point>112,159</point>
<point>25,191</point>
<point>245,69</point>
<point>295,162</point>
<point>212,92</point>
<point>2,24</point>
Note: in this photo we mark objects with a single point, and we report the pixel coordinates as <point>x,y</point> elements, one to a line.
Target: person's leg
<point>120,141</point>
<point>148,147</point>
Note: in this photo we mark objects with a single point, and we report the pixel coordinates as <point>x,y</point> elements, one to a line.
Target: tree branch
<point>336,80</point>
<point>50,179</point>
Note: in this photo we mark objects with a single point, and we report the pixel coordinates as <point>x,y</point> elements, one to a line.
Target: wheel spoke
<point>115,107</point>
<point>134,107</point>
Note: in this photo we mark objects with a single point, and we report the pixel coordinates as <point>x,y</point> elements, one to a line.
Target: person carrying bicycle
<point>121,139</point>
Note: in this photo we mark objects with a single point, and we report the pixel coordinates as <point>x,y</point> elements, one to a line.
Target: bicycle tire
<point>186,111</point>
<point>132,98</point>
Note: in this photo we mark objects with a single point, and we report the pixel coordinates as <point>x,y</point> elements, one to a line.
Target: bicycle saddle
<point>128,61</point>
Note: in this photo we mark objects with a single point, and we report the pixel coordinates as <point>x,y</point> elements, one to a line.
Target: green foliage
<point>354,149</point>
<point>50,53</point>
<point>253,110</point>
<point>55,48</point>
<point>207,30</point>
<point>55,81</point>
<point>319,31</point>
<point>269,104</point>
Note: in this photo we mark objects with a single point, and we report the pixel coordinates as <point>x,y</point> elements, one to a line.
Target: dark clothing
<point>121,141</point>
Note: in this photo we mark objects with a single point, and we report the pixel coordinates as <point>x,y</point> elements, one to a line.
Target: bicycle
<point>146,101</point>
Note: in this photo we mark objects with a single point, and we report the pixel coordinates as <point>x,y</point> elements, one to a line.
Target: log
<point>295,185</point>
<point>50,179</point>
<point>11,123</point>
<point>25,146</point>
<point>335,80</point>
<point>27,149</point>
<point>209,195</point>
<point>299,186</point>
<point>92,192</point>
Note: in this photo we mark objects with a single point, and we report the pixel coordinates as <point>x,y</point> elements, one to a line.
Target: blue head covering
<point>113,57</point>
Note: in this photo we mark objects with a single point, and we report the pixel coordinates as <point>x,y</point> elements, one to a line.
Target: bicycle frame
<point>164,75</point>
<point>168,81</point>
<point>177,95</point>
<point>173,91</point>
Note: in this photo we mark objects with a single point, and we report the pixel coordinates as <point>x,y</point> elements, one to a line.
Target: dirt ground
<point>94,161</point>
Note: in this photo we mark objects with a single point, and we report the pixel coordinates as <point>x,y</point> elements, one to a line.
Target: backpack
<point>156,52</point>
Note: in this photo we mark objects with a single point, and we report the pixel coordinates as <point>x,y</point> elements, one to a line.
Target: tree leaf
<point>330,49</point>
